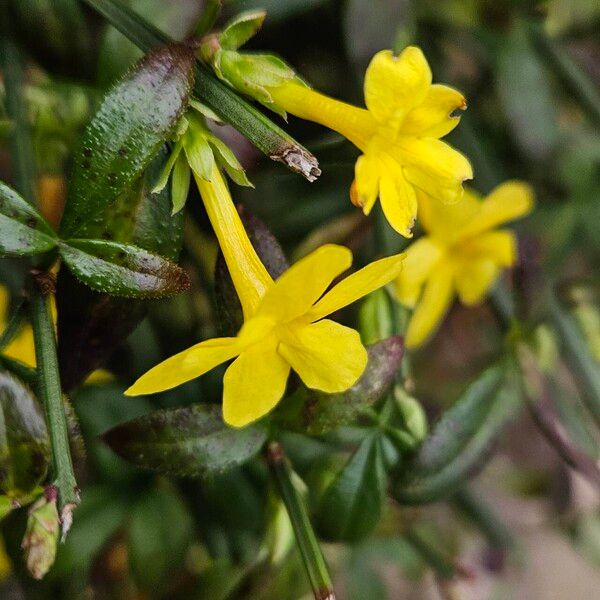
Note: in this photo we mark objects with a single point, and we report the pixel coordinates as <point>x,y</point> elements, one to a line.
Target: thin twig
<point>313,558</point>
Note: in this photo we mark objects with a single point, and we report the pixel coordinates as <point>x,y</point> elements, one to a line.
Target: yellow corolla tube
<point>398,133</point>
<point>462,254</point>
<point>284,326</point>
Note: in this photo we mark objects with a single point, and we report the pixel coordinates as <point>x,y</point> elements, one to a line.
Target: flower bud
<point>41,536</point>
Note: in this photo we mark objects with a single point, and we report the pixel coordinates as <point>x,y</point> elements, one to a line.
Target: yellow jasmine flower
<point>463,253</point>
<point>398,134</point>
<point>283,326</point>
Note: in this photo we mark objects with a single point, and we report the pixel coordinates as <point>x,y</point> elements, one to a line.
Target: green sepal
<point>187,442</point>
<point>122,269</point>
<point>241,28</point>
<point>180,183</point>
<point>23,231</point>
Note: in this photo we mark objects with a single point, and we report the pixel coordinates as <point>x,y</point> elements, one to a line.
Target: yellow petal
<point>398,201</point>
<point>357,285</point>
<point>21,347</point>
<point>254,383</point>
<point>499,246</point>
<point>444,221</point>
<point>475,279</point>
<point>186,365</point>
<point>4,303</point>
<point>395,84</point>
<point>327,356</point>
<point>432,118</point>
<point>421,258</point>
<point>433,166</point>
<point>249,275</point>
<point>509,201</point>
<point>304,282</point>
<point>366,182</point>
<point>433,305</point>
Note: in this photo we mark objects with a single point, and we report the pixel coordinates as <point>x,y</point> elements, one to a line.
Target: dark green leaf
<point>462,439</point>
<point>351,505</point>
<point>91,325</point>
<point>188,442</point>
<point>134,120</point>
<point>315,412</point>
<point>159,532</point>
<point>123,270</point>
<point>23,231</point>
<point>24,445</point>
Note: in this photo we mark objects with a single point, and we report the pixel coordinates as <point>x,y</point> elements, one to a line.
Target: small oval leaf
<point>134,120</point>
<point>23,231</point>
<point>351,505</point>
<point>123,269</point>
<point>461,442</point>
<point>24,446</point>
<point>188,442</point>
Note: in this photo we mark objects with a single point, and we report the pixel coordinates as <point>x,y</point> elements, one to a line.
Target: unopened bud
<point>413,415</point>
<point>41,536</point>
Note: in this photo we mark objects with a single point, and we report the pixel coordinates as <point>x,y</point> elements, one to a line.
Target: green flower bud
<point>375,318</point>
<point>41,536</point>
<point>413,415</point>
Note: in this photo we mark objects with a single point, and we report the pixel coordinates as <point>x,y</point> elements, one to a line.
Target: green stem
<point>230,107</point>
<point>312,556</point>
<point>49,390</point>
<point>48,378</point>
<point>19,140</point>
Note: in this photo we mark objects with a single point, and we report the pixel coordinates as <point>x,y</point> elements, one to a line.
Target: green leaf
<point>315,412</point>
<point>578,356</point>
<point>24,445</point>
<point>159,533</point>
<point>91,325</point>
<point>241,28</point>
<point>188,442</point>
<point>23,231</point>
<point>351,505</point>
<point>122,269</point>
<point>134,120</point>
<point>461,441</point>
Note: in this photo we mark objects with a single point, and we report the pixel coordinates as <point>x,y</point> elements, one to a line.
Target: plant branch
<point>261,131</point>
<point>312,556</point>
<point>49,390</point>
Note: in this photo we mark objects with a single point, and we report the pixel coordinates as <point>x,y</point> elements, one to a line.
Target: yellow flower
<point>22,348</point>
<point>283,325</point>
<point>398,134</point>
<point>461,254</point>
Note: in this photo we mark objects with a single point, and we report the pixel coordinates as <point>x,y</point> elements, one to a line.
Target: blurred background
<point>531,74</point>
